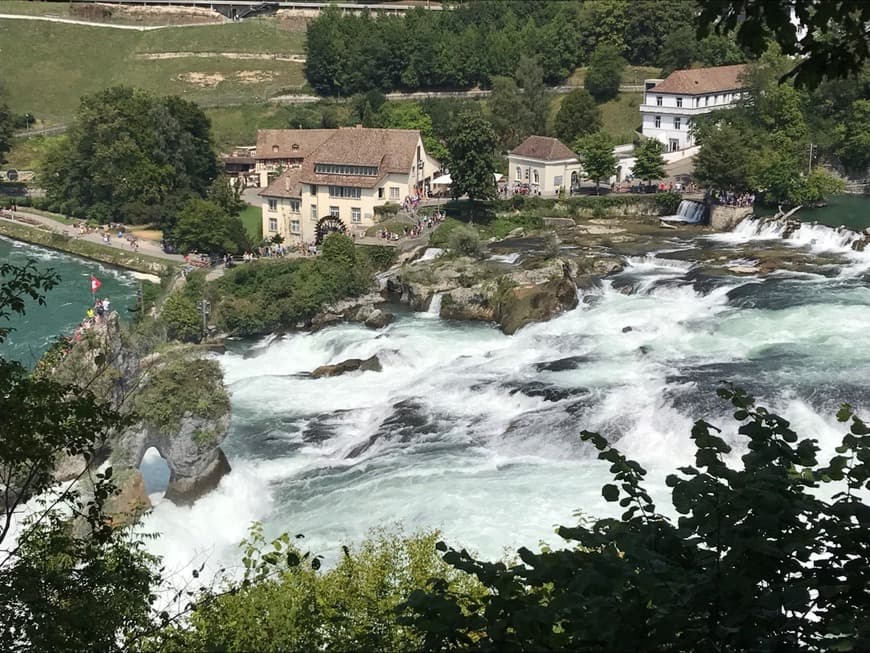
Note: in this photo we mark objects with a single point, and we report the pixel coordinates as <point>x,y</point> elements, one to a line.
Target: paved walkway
<point>148,247</point>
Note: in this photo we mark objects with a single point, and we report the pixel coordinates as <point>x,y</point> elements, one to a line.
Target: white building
<point>339,183</point>
<point>544,164</point>
<point>669,105</point>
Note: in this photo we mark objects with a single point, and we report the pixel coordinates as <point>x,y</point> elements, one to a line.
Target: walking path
<point>148,247</point>
<point>93,23</point>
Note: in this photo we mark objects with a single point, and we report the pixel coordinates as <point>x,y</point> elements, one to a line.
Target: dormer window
<point>274,148</point>
<point>295,147</point>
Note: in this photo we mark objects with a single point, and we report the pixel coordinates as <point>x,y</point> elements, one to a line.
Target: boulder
<point>468,304</point>
<point>378,319</point>
<point>131,500</point>
<point>372,364</point>
<point>536,303</point>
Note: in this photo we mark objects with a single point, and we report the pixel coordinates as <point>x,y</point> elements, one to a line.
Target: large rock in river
<point>536,302</point>
<point>371,364</point>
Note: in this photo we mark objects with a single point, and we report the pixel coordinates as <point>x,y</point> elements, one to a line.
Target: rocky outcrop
<point>470,289</point>
<point>371,364</point>
<point>365,309</point>
<point>536,302</point>
<point>177,404</point>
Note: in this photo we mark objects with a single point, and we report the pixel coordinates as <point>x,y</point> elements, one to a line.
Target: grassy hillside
<point>46,67</point>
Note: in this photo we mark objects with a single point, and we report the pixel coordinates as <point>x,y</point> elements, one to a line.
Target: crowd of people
<point>730,198</point>
<point>423,222</point>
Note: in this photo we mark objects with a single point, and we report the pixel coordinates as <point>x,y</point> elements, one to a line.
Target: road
<point>92,23</point>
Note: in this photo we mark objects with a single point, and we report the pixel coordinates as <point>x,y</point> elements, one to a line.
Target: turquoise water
<point>65,304</point>
<point>851,211</point>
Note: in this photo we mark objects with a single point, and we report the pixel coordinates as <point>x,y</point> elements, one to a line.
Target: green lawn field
<point>46,67</point>
<point>252,218</point>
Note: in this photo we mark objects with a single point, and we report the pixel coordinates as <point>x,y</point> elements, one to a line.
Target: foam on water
<point>474,432</point>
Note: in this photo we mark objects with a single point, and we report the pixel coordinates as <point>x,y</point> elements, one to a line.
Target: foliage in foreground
<point>69,579</point>
<point>288,604</point>
<point>757,560</point>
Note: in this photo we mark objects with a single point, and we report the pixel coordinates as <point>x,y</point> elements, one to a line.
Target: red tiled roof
<point>389,150</point>
<point>286,184</point>
<point>543,148</point>
<point>291,143</point>
<point>703,80</point>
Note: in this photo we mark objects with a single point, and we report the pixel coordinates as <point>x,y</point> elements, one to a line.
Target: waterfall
<point>435,305</point>
<point>688,212</point>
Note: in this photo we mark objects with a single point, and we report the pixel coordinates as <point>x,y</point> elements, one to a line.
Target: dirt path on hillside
<point>92,23</point>
<point>245,56</point>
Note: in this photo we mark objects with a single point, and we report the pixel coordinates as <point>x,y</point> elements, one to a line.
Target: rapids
<point>477,433</point>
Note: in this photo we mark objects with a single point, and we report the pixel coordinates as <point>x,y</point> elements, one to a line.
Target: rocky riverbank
<point>175,399</point>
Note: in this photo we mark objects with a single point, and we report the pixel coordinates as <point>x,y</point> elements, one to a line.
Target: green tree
<point>226,195</point>
<point>649,163</point>
<point>826,41</point>
<point>465,241</point>
<point>68,541</point>
<point>130,157</point>
<point>470,151</point>
<point>719,50</point>
<point>534,108</point>
<point>290,604</point>
<point>853,147</point>
<point>725,160</point>
<point>724,576</point>
<point>204,226</point>
<point>679,50</point>
<point>605,73</point>
<point>578,116</point>
<point>596,154</point>
<point>6,129</point>
<point>505,105</point>
<point>410,115</point>
<point>181,317</point>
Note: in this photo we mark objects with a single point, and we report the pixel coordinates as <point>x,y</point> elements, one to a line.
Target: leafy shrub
<point>379,257</point>
<point>181,318</point>
<point>386,211</point>
<point>465,241</point>
<point>668,203</point>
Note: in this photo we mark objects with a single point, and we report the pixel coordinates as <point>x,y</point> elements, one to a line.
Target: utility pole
<point>205,309</point>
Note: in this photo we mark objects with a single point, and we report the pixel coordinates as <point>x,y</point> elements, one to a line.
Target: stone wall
<point>725,218</point>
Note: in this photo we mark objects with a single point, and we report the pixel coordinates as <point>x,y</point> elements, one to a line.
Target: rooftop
<point>543,148</point>
<point>287,184</point>
<point>289,143</point>
<point>703,80</point>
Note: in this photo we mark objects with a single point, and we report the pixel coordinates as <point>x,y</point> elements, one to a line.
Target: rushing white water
<point>477,433</point>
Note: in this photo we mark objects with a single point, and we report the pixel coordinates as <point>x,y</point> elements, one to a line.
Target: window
<point>707,101</point>
<point>314,189</point>
<point>394,192</point>
<point>334,212</point>
<point>557,180</point>
<point>527,174</point>
<point>697,102</point>
<point>536,178</point>
<point>658,121</point>
<point>314,213</point>
<point>716,99</point>
<point>273,204</point>
<point>677,123</point>
<point>273,224</point>
<point>338,169</point>
<point>348,192</point>
<point>355,215</point>
<point>674,145</point>
<point>519,174</point>
<point>294,206</point>
<point>679,101</point>
<point>380,193</point>
<point>294,227</point>
<point>658,100</point>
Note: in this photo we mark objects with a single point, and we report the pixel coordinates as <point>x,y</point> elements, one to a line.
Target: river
<point>477,433</point>
<point>65,304</point>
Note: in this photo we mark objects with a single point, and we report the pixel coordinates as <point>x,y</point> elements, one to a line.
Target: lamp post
<point>205,309</point>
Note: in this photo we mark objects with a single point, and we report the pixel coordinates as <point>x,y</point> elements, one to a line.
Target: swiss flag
<point>95,284</point>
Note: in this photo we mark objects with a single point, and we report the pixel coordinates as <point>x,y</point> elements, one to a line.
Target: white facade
<point>670,105</point>
<point>544,176</point>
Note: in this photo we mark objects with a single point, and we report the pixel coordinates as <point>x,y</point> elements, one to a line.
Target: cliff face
<point>177,403</point>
